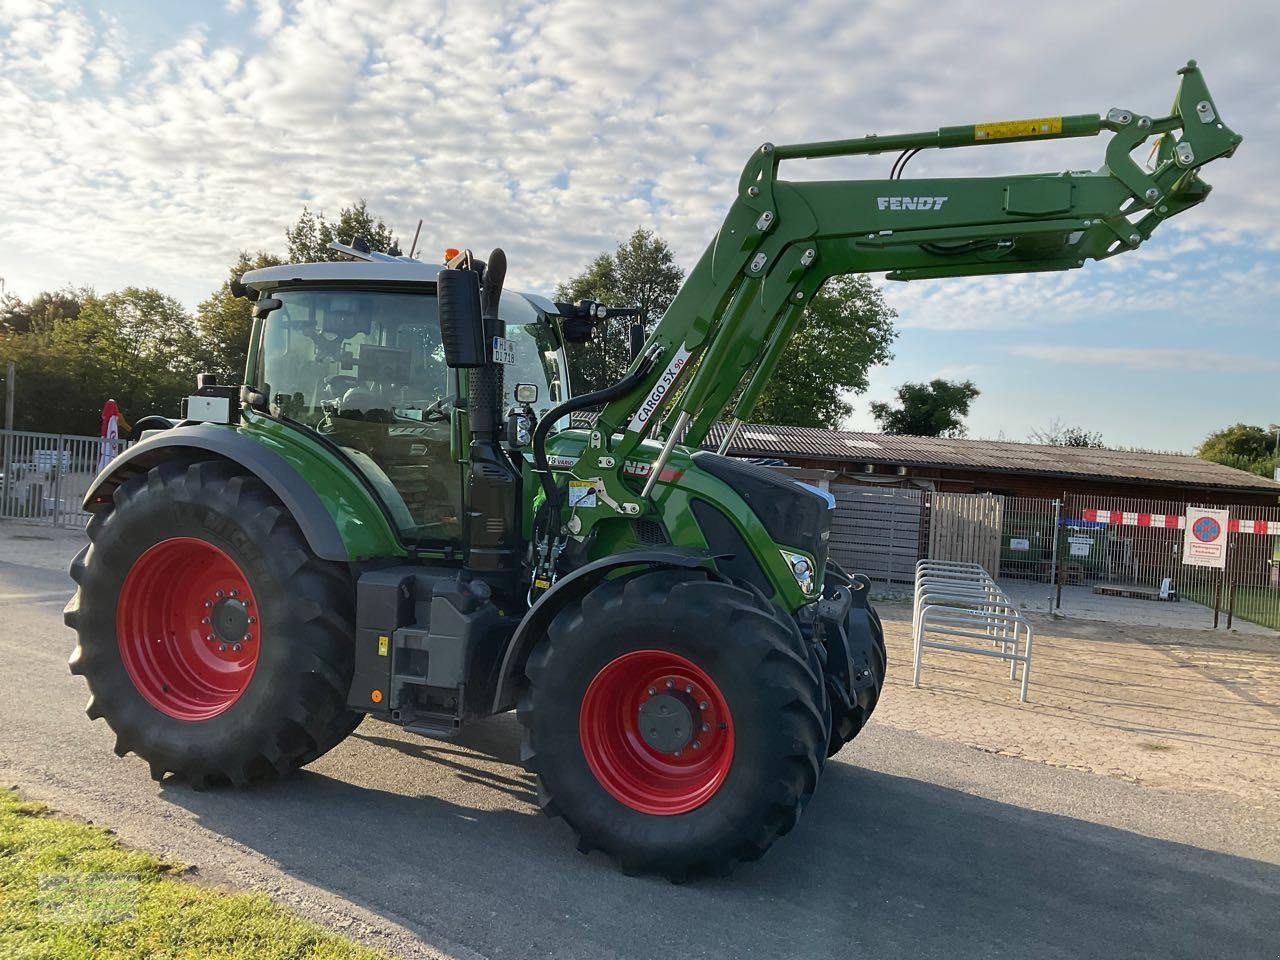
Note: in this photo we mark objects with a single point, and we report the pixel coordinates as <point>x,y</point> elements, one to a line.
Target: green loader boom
<point>781,240</point>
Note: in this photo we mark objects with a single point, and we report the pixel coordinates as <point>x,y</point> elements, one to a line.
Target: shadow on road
<point>879,866</point>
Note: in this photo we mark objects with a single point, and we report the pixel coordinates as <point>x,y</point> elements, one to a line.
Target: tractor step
<point>438,726</point>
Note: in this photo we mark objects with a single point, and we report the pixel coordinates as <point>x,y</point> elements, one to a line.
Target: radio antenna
<point>414,246</point>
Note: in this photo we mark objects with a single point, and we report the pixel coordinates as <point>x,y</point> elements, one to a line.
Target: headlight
<point>802,569</point>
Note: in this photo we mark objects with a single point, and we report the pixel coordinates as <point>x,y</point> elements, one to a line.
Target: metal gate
<point>877,531</point>
<point>1027,539</point>
<point>44,476</point>
<point>966,527</point>
<point>1126,541</point>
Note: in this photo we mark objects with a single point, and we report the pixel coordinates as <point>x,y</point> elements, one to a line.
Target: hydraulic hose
<point>572,405</point>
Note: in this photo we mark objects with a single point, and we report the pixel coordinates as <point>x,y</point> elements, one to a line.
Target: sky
<point>146,142</point>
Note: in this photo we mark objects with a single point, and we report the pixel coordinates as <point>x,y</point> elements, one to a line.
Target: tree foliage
<point>309,237</point>
<point>17,316</point>
<point>1059,434</point>
<point>224,320</point>
<point>848,328</point>
<point>642,273</point>
<point>1243,446</point>
<point>136,345</point>
<point>933,409</point>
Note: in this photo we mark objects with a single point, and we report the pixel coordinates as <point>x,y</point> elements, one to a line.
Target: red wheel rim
<point>188,630</point>
<point>626,762</point>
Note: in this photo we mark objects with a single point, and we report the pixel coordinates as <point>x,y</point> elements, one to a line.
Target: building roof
<point>992,456</point>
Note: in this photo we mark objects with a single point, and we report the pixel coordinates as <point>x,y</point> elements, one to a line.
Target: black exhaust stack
<point>493,489</point>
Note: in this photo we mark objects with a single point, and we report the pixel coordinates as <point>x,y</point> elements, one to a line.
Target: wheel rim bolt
<point>205,620</point>
<point>670,684</point>
<point>697,744</point>
<point>706,727</point>
<point>247,638</point>
<point>219,594</point>
<point>653,691</point>
<point>235,593</point>
<point>211,638</point>
<point>702,705</point>
<point>208,603</point>
<point>253,619</point>
<point>235,647</point>
<point>689,689</point>
<point>222,648</point>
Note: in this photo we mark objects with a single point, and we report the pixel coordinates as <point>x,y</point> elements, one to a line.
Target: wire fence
<point>44,476</point>
<point>1128,542</point>
<point>1125,546</point>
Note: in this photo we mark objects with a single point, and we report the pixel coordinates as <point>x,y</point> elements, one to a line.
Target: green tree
<point>1243,446</point>
<point>642,273</point>
<point>1059,434</point>
<point>309,237</point>
<point>224,320</point>
<point>18,316</point>
<point>847,329</point>
<point>933,409</point>
<point>135,345</point>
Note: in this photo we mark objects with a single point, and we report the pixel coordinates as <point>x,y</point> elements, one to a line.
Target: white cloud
<point>1143,358</point>
<point>470,117</point>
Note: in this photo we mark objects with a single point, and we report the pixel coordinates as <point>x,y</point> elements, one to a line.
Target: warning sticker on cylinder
<point>1008,129</point>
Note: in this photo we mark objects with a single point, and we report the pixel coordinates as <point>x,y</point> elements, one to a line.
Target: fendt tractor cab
<point>406,511</point>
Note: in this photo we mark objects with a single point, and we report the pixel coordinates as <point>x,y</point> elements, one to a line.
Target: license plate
<point>504,350</point>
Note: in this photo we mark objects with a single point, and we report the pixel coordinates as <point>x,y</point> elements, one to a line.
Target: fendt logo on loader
<point>911,203</point>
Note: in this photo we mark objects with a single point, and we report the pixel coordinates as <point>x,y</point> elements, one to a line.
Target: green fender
<point>339,514</point>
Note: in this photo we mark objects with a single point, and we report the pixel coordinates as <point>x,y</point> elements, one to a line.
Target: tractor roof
<point>398,270</point>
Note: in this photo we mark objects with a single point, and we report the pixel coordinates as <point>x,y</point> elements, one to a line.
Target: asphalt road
<point>911,848</point>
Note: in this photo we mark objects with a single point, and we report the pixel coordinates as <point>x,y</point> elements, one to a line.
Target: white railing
<point>44,476</point>
<point>956,599</point>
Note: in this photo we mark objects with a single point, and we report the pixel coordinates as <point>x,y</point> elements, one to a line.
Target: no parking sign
<point>1204,543</point>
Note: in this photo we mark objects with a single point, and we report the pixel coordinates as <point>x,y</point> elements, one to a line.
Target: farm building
<point>999,467</point>
<point>1030,511</point>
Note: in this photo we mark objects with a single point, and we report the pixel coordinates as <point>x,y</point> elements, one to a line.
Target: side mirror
<point>266,305</point>
<point>461,325</point>
<point>526,393</point>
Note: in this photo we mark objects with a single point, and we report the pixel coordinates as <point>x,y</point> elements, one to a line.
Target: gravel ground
<point>1184,709</point>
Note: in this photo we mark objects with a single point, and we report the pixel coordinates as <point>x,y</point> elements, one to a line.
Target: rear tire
<point>763,729</point>
<point>237,708</point>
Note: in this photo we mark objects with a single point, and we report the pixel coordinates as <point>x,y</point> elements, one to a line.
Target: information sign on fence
<point>1204,542</point>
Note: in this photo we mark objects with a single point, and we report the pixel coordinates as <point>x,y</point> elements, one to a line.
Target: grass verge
<point>70,890</point>
<point>1259,604</point>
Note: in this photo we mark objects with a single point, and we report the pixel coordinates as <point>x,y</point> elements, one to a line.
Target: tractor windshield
<point>366,368</point>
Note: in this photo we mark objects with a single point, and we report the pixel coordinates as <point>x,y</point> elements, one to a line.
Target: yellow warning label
<point>384,644</point>
<point>541,583</point>
<point>1008,129</point>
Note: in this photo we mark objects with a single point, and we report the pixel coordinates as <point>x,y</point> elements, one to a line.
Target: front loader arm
<point>744,300</point>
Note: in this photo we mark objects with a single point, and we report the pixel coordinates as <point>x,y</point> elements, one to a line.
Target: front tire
<point>625,684</point>
<point>215,644</point>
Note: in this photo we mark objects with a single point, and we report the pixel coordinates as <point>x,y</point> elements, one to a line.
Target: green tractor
<point>406,512</point>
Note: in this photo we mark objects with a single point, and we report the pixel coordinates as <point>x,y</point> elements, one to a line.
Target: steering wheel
<point>435,410</point>
<point>338,384</point>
